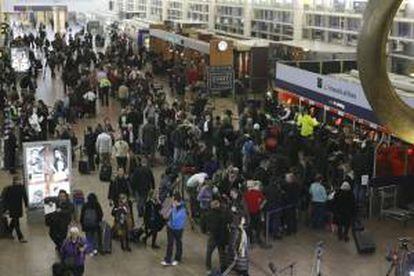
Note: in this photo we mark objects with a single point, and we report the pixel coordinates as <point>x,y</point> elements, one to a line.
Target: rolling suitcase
<point>105,173</point>
<point>83,165</point>
<point>106,238</point>
<point>363,239</point>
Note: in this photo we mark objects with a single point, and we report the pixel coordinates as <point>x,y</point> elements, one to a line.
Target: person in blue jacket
<point>175,228</point>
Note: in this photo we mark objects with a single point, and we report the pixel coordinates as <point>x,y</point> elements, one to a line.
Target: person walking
<point>15,198</point>
<point>218,222</point>
<point>344,210</point>
<point>175,229</point>
<point>91,217</point>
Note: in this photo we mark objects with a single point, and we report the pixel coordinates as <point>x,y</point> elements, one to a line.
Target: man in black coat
<point>142,181</point>
<point>119,185</point>
<point>10,145</point>
<point>15,197</point>
<point>218,222</point>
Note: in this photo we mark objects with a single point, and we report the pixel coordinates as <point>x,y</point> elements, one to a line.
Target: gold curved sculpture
<point>392,112</point>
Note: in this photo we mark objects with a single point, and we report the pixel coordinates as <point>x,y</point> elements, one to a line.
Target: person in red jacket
<point>255,201</point>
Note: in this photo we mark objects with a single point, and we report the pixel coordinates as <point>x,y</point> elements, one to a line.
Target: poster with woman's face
<point>47,168</point>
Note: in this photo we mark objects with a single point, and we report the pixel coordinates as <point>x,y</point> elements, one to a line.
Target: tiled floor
<point>37,256</point>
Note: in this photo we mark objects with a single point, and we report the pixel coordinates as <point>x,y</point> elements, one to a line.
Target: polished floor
<point>37,256</point>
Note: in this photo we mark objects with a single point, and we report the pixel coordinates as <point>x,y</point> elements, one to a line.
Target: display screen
<point>20,59</point>
<point>47,169</point>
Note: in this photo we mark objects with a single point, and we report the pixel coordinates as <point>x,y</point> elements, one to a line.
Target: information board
<point>220,78</point>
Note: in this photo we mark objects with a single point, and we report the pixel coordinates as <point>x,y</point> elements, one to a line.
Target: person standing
<point>122,214</point>
<point>120,151</point>
<point>255,201</point>
<point>152,219</point>
<point>10,146</point>
<point>218,223</point>
<point>149,139</point>
<point>60,220</point>
<point>119,185</point>
<point>104,147</point>
<point>89,143</point>
<point>73,252</point>
<point>175,229</point>
<point>91,217</point>
<point>318,202</point>
<point>142,181</point>
<point>344,210</point>
<point>15,197</point>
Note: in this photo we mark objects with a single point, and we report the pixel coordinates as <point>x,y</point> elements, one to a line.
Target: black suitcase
<point>364,242</point>
<point>105,173</point>
<point>83,165</point>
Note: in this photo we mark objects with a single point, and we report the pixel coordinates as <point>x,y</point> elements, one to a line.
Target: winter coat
<point>142,181</point>
<point>218,224</point>
<point>344,207</point>
<point>118,186</point>
<point>99,216</point>
<point>152,217</point>
<point>15,197</point>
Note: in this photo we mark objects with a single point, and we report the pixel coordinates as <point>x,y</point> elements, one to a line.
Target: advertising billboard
<point>20,59</point>
<point>47,169</point>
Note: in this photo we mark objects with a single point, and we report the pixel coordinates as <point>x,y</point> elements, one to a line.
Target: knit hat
<point>345,186</point>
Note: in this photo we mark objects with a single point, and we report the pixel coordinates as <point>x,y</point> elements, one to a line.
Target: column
<point>164,8</point>
<point>56,20</point>
<point>247,24</point>
<point>184,10</point>
<point>298,14</point>
<point>211,15</point>
<point>409,47</point>
<point>148,9</point>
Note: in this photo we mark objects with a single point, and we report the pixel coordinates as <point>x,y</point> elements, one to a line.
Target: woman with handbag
<point>73,252</point>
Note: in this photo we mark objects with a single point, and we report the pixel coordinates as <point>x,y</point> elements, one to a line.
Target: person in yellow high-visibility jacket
<point>307,124</point>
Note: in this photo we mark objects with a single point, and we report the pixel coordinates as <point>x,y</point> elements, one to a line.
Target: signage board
<point>220,78</point>
<point>47,169</point>
<point>344,96</point>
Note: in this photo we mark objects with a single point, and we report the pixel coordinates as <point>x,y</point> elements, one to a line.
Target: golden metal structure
<point>392,112</point>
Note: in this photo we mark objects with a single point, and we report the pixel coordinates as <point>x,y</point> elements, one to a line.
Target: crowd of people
<point>223,177</point>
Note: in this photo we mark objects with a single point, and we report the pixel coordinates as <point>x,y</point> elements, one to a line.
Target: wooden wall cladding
<point>218,58</point>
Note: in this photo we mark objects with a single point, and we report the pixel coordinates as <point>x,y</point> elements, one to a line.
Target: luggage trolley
<point>388,205</point>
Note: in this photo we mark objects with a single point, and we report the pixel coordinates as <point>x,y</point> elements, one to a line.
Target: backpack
<point>90,218</point>
<point>248,148</point>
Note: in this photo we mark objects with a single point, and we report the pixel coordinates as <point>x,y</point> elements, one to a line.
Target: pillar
<point>247,24</point>
<point>164,10</point>
<point>409,47</point>
<point>212,15</point>
<point>298,13</point>
<point>56,20</point>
